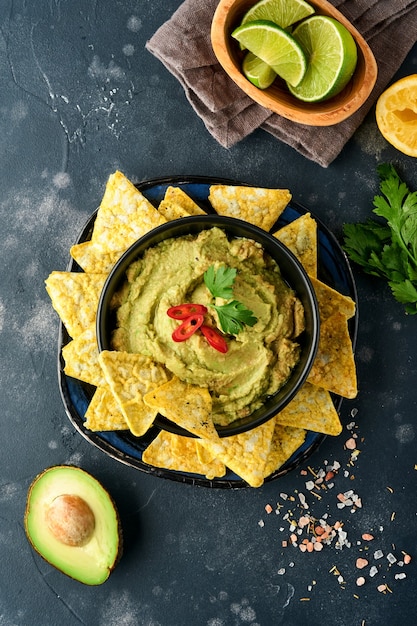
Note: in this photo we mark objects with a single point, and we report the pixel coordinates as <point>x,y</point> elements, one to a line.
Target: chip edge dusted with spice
<point>186,405</point>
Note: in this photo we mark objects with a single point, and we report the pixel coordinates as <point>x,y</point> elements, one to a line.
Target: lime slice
<point>281,12</point>
<point>332,56</point>
<point>275,47</point>
<point>257,71</point>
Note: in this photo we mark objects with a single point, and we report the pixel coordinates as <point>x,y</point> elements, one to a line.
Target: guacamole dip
<point>259,359</point>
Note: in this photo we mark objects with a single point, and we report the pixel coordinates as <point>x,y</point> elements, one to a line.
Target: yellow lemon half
<point>396,115</point>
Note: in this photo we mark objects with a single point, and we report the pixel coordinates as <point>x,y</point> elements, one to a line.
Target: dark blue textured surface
<point>80,96</point>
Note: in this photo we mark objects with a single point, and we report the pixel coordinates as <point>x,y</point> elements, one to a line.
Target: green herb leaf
<point>233,316</point>
<point>389,250</point>
<point>220,282</point>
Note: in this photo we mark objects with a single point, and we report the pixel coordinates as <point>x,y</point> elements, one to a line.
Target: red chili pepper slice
<point>215,339</point>
<point>182,311</point>
<point>188,327</point>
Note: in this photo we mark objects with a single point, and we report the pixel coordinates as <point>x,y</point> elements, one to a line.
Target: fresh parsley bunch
<point>389,249</point>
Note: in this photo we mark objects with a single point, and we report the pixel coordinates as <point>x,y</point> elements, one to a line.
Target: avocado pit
<point>70,520</point>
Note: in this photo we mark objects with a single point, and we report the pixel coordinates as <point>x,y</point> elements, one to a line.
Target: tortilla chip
<point>124,215</point>
<point>75,297</point>
<point>245,454</point>
<point>311,409</point>
<point>81,358</point>
<point>204,454</point>
<point>179,454</point>
<point>130,377</point>
<point>188,406</point>
<point>285,441</point>
<point>331,301</point>
<point>172,211</point>
<point>94,258</point>
<point>176,195</point>
<point>256,205</point>
<point>300,236</point>
<point>103,413</point>
<point>334,366</point>
<point>185,450</point>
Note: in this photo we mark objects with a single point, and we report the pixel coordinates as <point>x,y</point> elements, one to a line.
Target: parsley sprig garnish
<point>234,314</point>
<point>389,249</point>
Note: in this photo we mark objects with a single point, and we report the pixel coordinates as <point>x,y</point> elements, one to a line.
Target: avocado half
<point>73,523</point>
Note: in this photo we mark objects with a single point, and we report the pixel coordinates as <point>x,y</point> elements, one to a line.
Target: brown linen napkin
<point>183,45</point>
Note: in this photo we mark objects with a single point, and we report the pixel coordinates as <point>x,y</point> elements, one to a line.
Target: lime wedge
<point>257,71</point>
<point>275,47</point>
<point>332,58</point>
<point>281,12</point>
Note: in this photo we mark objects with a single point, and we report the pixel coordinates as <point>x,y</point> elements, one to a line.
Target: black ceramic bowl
<point>292,272</point>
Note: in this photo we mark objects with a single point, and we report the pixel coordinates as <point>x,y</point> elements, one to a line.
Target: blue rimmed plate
<point>334,270</point>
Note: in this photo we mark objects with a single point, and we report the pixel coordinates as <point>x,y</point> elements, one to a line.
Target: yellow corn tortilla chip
<point>331,301</point>
<point>124,215</point>
<point>205,455</point>
<point>186,449</point>
<point>75,297</point>
<point>311,409</point>
<point>172,211</point>
<point>334,366</point>
<point>285,441</point>
<point>300,236</point>
<point>176,453</point>
<point>103,413</point>
<point>95,258</point>
<point>259,206</point>
<point>189,406</point>
<point>81,358</point>
<point>130,377</point>
<point>176,195</point>
<point>245,454</point>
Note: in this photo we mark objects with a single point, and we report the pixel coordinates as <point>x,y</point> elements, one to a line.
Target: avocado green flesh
<point>92,563</point>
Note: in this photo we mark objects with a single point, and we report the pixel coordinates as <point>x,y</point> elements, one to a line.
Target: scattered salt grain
<point>378,554</point>
<point>373,571</point>
<point>400,576</point>
<point>391,558</point>
<point>302,499</point>
<point>281,571</point>
<point>310,485</point>
<point>261,523</point>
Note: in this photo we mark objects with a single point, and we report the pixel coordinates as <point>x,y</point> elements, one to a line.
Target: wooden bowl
<point>277,97</point>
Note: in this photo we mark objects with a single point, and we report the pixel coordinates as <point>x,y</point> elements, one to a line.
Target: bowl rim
<point>325,113</point>
<point>205,222</point>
